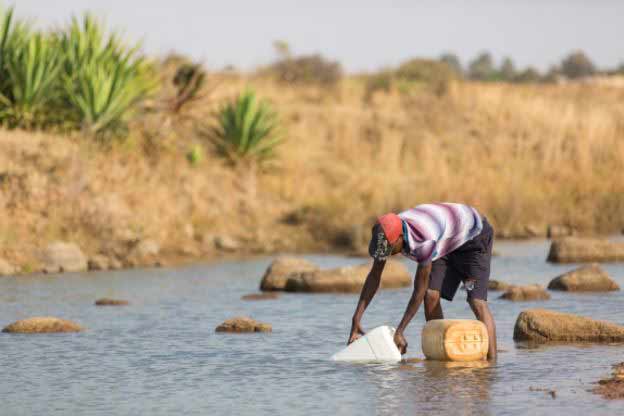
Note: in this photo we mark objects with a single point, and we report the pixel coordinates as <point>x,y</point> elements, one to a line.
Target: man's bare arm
<point>421,282</point>
<point>369,289</point>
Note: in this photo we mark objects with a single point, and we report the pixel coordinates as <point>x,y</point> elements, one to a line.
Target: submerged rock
<point>579,250</point>
<point>524,293</point>
<point>261,296</point>
<point>349,279</point>
<point>111,302</point>
<point>63,257</point>
<point>243,324</point>
<point>613,387</point>
<point>541,325</point>
<point>40,325</point>
<point>590,278</point>
<point>281,269</point>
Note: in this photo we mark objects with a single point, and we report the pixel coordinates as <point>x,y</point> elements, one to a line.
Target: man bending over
<point>452,243</point>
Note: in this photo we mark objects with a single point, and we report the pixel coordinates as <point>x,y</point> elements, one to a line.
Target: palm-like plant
<point>103,80</point>
<point>247,130</point>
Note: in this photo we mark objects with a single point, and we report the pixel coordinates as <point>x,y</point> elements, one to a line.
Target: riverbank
<point>527,156</point>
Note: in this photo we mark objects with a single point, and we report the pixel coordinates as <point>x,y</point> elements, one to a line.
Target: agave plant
<point>247,130</point>
<point>32,68</point>
<point>103,80</point>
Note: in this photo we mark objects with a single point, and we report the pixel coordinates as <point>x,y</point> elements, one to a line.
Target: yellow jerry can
<point>455,340</point>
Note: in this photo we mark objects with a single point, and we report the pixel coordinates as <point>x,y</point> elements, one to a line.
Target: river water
<point>161,356</point>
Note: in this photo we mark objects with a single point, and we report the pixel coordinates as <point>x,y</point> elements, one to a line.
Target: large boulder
<point>281,269</point>
<point>349,279</point>
<point>590,278</point>
<point>40,325</point>
<point>63,257</point>
<point>541,325</point>
<point>524,293</point>
<point>243,324</point>
<point>579,250</point>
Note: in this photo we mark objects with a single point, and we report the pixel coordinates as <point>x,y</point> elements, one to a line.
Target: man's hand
<point>356,332</point>
<point>400,342</point>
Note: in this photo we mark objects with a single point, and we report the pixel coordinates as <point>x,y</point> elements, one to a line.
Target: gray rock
<point>63,257</point>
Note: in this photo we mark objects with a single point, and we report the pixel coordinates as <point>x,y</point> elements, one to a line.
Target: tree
<point>507,70</point>
<point>482,67</point>
<point>452,61</point>
<point>577,65</point>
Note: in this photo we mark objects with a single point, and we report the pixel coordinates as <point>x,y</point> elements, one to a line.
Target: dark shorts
<point>470,263</point>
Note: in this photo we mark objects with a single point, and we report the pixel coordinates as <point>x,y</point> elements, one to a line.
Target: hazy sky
<point>362,34</point>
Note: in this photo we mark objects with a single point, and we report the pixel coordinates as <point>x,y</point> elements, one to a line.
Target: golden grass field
<point>524,155</point>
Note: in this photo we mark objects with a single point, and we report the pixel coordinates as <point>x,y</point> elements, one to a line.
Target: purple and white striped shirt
<point>434,230</point>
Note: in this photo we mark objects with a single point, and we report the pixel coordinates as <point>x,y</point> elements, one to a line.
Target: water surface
<point>161,356</point>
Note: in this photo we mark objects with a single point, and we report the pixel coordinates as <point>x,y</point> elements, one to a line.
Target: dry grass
<point>523,155</point>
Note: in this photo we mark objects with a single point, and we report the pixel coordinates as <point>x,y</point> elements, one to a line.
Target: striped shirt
<point>434,230</point>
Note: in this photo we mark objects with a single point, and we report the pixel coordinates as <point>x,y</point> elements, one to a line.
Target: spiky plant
<point>103,80</point>
<point>32,69</point>
<point>246,130</point>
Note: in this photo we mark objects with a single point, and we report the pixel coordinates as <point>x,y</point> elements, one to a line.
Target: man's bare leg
<point>433,308</point>
<point>483,314</point>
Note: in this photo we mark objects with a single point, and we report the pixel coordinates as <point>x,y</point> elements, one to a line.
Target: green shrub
<point>103,80</point>
<point>246,130</point>
<point>307,69</point>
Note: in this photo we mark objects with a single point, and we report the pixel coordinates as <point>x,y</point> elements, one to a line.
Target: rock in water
<point>498,285</point>
<point>590,278</point>
<point>111,302</point>
<point>579,250</point>
<point>349,279</point>
<point>261,296</point>
<point>41,325</point>
<point>63,257</point>
<point>612,388</point>
<point>243,324</point>
<point>281,269</point>
<point>524,293</point>
<point>541,325</point>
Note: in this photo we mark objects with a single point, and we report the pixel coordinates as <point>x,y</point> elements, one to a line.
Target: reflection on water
<point>161,356</point>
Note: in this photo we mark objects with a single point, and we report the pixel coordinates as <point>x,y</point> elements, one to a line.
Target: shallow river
<point>161,356</point>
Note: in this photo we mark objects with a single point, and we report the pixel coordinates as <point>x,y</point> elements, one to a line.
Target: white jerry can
<point>377,345</point>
